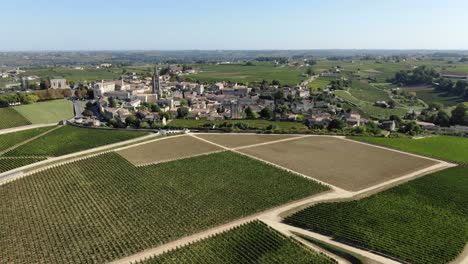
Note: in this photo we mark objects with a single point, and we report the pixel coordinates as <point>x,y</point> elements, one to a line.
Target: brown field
<point>240,140</point>
<point>416,88</point>
<point>167,149</point>
<point>342,163</point>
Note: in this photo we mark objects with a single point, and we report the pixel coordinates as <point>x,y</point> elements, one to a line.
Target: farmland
<point>442,147</point>
<point>248,74</point>
<point>240,140</point>
<point>69,139</point>
<point>9,163</point>
<point>252,243</point>
<point>254,124</point>
<point>11,139</point>
<point>10,118</point>
<point>88,74</point>
<point>102,208</point>
<point>431,96</point>
<point>167,149</point>
<point>46,112</point>
<point>423,221</point>
<point>342,163</point>
<point>320,82</point>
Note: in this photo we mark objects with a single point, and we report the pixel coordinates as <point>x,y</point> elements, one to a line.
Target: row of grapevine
<point>103,208</point>
<point>70,139</point>
<point>7,163</point>
<point>254,242</point>
<point>11,139</point>
<point>9,117</point>
<point>423,221</point>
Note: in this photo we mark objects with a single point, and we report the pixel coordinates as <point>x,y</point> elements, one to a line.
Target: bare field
<point>167,149</point>
<point>342,163</point>
<point>240,140</point>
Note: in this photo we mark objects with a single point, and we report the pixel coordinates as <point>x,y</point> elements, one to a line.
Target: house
<point>382,104</point>
<point>132,104</point>
<point>352,119</point>
<point>389,125</point>
<point>321,119</point>
<point>102,87</point>
<point>58,84</point>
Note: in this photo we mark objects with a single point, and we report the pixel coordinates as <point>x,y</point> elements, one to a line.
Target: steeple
<point>156,82</point>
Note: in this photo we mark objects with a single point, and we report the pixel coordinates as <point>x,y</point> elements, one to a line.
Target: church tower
<point>156,82</point>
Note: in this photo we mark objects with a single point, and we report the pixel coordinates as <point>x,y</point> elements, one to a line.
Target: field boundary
<point>28,140</point>
<point>30,169</point>
<point>21,128</point>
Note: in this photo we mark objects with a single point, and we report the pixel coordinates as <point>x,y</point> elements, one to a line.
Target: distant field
<point>10,118</point>
<point>366,92</point>
<point>320,82</point>
<point>423,221</point>
<point>255,124</point>
<point>103,208</point>
<point>247,74</point>
<point>442,147</point>
<point>167,149</point>
<point>88,74</point>
<point>47,112</point>
<point>250,243</point>
<point>369,108</point>
<point>69,139</point>
<point>431,96</point>
<point>342,163</point>
<point>14,138</point>
<point>240,140</point>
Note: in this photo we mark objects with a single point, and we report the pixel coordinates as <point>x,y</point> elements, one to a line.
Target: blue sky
<point>239,24</point>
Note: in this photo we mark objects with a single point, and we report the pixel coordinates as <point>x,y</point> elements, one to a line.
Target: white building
<point>103,87</point>
<point>58,84</point>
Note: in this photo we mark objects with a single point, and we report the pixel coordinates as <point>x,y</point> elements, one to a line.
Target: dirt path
<point>17,173</point>
<point>28,140</point>
<point>21,128</point>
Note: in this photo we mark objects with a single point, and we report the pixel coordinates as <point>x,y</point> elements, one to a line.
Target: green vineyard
<point>250,243</point>
<point>448,148</point>
<point>11,139</point>
<point>69,139</point>
<point>103,208</point>
<point>423,221</point>
<point>7,163</point>
<point>10,118</point>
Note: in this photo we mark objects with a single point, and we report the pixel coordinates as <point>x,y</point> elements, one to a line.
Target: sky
<point>40,25</point>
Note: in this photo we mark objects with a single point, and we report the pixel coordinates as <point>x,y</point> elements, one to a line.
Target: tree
<point>87,113</point>
<point>144,125</point>
<point>411,128</point>
<point>275,82</point>
<point>183,102</point>
<point>182,112</point>
<point>310,72</point>
<point>336,124</point>
<point>44,84</point>
<point>392,104</point>
<point>250,114</point>
<point>112,102</point>
<point>132,121</point>
<point>155,107</point>
<point>279,94</point>
<point>266,113</point>
<point>459,116</point>
<point>442,119</point>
